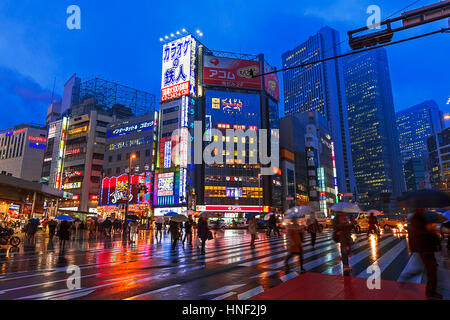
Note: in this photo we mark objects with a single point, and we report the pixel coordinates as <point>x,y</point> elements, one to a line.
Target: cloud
<point>22,99</point>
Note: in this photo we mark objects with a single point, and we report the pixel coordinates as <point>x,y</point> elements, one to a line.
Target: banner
<point>272,84</point>
<point>229,72</point>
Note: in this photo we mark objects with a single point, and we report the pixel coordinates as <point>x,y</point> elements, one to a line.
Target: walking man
<point>342,235</point>
<point>313,228</point>
<point>252,230</point>
<point>188,230</point>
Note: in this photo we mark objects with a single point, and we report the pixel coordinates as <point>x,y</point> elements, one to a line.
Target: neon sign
<point>37,139</point>
<point>143,126</point>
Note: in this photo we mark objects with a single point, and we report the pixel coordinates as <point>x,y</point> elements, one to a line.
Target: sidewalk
<point>316,286</point>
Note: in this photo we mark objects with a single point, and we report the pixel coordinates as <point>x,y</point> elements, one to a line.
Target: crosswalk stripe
<point>251,293</point>
<point>413,271</point>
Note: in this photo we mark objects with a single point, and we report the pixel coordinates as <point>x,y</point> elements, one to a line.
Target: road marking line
<point>153,292</point>
<point>251,293</point>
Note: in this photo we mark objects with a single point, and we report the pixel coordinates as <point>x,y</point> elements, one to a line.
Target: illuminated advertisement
<point>167,189</point>
<point>229,72</point>
<point>234,192</point>
<point>37,146</point>
<point>165,184</point>
<point>272,84</point>
<point>114,190</point>
<point>78,130</point>
<point>334,172</point>
<point>322,193</point>
<point>235,108</point>
<point>37,139</point>
<point>62,147</point>
<point>177,68</point>
<point>161,212</point>
<point>143,126</point>
<point>69,186</point>
<point>219,208</point>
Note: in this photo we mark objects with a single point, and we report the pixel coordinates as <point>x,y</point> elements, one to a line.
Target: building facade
<point>415,125</point>
<point>321,87</point>
<point>373,131</point>
<point>204,95</point>
<point>126,139</point>
<point>439,160</point>
<point>22,151</point>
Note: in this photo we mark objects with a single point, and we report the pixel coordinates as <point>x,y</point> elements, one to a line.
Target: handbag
<point>210,236</point>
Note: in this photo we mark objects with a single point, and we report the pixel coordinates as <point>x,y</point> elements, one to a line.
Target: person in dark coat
<point>295,243</point>
<point>203,232</point>
<point>174,232</point>
<point>52,224</point>
<point>64,233</point>
<point>373,223</point>
<point>107,225</point>
<point>313,228</point>
<point>188,230</point>
<point>273,225</point>
<point>342,234</point>
<point>424,241</point>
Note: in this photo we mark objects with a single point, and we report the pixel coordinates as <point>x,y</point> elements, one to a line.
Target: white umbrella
<point>375,212</point>
<point>160,220</point>
<point>297,212</point>
<point>267,216</point>
<point>347,207</point>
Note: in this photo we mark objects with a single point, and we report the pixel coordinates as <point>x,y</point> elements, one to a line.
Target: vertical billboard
<point>227,72</point>
<point>178,68</point>
<point>272,84</point>
<point>114,189</point>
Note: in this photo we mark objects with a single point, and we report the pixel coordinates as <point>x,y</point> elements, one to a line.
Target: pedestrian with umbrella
<point>188,230</point>
<point>159,225</point>
<point>52,224</point>
<point>373,223</point>
<point>203,233</point>
<point>133,227</point>
<point>107,225</point>
<point>31,228</point>
<point>422,235</point>
<point>64,233</point>
<point>313,228</point>
<point>174,231</point>
<point>295,233</point>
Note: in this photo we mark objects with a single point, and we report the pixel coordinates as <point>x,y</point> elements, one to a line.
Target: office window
<point>117,170</point>
<point>110,159</point>
<point>147,152</point>
<point>119,157</point>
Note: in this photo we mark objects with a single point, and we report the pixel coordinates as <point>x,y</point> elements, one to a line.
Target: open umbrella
<point>446,215</point>
<point>52,223</point>
<point>426,198</point>
<point>267,216</point>
<point>347,207</point>
<point>35,221</point>
<point>64,217</point>
<point>375,212</point>
<point>434,217</point>
<point>179,218</point>
<point>251,215</point>
<point>132,217</point>
<point>297,212</point>
<point>170,214</point>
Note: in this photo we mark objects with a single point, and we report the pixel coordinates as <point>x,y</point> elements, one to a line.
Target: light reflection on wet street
<point>149,269</point>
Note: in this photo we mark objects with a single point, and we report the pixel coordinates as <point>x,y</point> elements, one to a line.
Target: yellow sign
<point>78,130</point>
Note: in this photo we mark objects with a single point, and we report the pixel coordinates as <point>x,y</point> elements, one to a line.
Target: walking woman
<point>295,246</point>
<point>252,230</point>
<point>174,232</point>
<point>342,234</point>
<point>203,233</point>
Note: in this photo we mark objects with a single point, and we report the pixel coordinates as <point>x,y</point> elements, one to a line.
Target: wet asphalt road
<point>149,269</point>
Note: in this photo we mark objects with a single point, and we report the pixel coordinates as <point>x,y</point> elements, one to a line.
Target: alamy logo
<point>373,281</point>
<point>374,20</point>
<point>73,22</point>
<point>74,280</point>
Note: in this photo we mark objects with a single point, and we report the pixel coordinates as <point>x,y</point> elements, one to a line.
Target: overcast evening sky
<point>119,41</point>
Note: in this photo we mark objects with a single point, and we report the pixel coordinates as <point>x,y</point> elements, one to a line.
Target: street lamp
<point>132,157</point>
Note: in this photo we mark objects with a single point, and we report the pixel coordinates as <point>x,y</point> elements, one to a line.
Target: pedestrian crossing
<point>230,269</point>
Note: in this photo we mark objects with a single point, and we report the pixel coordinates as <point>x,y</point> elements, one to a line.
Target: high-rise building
<point>439,160</point>
<point>309,138</point>
<point>74,157</point>
<point>373,131</point>
<point>415,125</point>
<point>204,90</point>
<point>321,87</point>
<point>125,139</point>
<point>22,151</point>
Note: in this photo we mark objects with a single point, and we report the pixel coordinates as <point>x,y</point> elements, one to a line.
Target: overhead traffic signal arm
<point>410,19</point>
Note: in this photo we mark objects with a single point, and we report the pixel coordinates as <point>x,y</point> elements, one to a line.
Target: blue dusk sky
<point>119,41</point>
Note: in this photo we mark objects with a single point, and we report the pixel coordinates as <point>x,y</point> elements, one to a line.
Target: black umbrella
<point>426,199</point>
<point>34,221</point>
<point>132,217</point>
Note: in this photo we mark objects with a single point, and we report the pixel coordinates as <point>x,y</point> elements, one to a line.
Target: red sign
<point>272,84</point>
<point>73,151</point>
<point>231,208</point>
<point>175,91</point>
<point>94,197</point>
<point>76,197</point>
<point>228,72</point>
<point>19,131</point>
<point>38,139</point>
